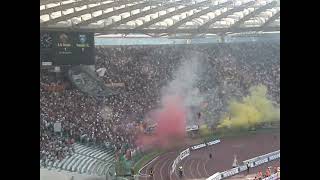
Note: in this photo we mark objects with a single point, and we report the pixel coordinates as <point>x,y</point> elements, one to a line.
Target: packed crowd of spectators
<point>230,70</point>
<point>80,117</point>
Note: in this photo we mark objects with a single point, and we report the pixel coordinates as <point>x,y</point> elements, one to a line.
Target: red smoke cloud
<point>171,123</point>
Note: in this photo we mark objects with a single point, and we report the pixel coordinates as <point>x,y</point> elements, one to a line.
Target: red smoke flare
<point>171,123</point>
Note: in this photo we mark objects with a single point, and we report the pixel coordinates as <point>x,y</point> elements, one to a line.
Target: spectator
<point>138,73</point>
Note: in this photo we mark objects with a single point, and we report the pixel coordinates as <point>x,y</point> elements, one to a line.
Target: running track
<point>199,166</point>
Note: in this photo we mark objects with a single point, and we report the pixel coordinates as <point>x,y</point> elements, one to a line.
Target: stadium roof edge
<point>156,18</point>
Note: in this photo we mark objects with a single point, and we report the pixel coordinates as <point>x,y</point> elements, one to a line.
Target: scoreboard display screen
<point>66,48</point>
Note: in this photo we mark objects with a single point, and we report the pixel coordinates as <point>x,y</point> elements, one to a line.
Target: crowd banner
<point>243,168</point>
<point>276,156</point>
<point>260,161</point>
<point>205,144</point>
<point>174,165</point>
<point>265,155</point>
<point>253,162</point>
<point>272,177</point>
<point>213,142</point>
<point>216,176</point>
<point>181,156</point>
<point>184,153</point>
<point>198,146</point>
<point>272,154</point>
<point>230,172</point>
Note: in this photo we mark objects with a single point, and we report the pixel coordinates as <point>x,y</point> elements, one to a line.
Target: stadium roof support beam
<point>68,6</point>
<point>270,20</point>
<point>44,2</point>
<point>119,11</point>
<point>170,14</point>
<point>86,11</point>
<point>196,15</point>
<point>253,13</point>
<point>204,27</point>
<point>141,14</point>
<point>165,31</point>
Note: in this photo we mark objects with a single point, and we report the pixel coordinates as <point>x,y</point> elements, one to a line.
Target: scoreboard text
<point>66,48</point>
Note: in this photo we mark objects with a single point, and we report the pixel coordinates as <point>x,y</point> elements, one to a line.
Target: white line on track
<point>169,169</point>
<point>151,162</point>
<point>158,163</point>
<point>161,167</point>
<point>192,176</point>
<point>204,167</point>
<point>148,164</point>
<point>198,163</point>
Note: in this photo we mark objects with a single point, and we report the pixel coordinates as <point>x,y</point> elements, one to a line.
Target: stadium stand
<point>85,160</point>
<point>142,70</point>
<point>96,131</point>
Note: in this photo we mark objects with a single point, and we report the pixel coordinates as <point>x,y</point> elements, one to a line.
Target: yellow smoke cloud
<point>204,130</point>
<point>252,110</point>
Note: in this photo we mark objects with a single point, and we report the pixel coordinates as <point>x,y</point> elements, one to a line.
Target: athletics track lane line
<point>161,168</point>
<point>198,163</point>
<point>192,161</point>
<point>204,167</point>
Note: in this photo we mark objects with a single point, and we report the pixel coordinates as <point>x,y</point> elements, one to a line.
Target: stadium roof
<point>161,17</point>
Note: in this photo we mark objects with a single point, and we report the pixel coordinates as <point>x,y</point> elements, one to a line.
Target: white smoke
<point>184,82</point>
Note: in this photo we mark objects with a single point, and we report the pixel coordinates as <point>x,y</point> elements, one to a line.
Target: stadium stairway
<point>85,160</point>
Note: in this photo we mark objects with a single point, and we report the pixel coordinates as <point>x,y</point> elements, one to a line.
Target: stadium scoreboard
<point>66,48</point>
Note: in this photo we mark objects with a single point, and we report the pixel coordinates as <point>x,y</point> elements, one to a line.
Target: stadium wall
<point>252,163</point>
